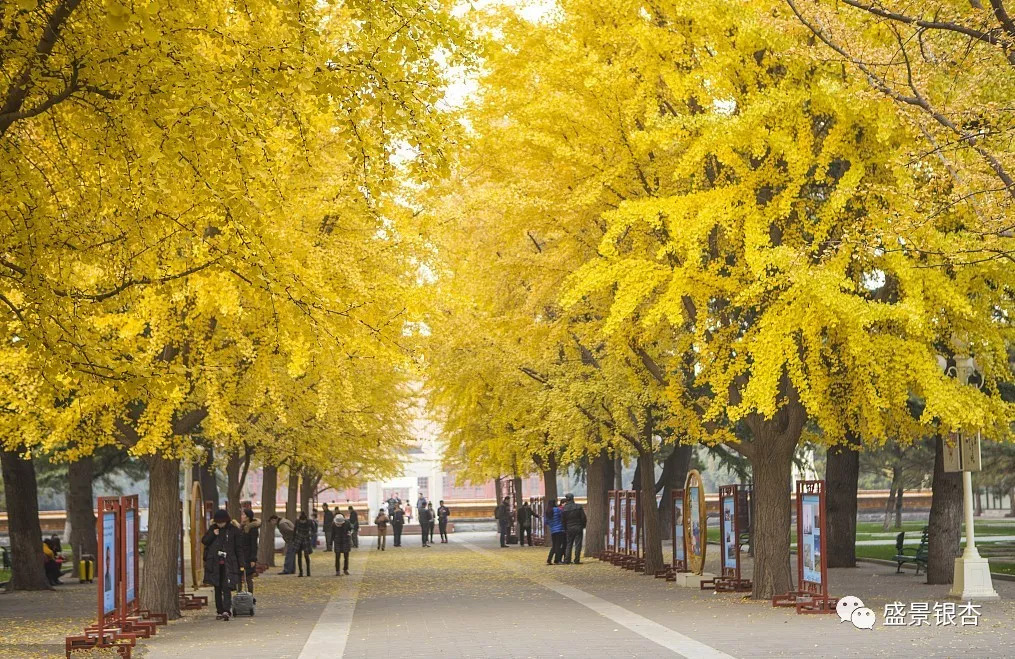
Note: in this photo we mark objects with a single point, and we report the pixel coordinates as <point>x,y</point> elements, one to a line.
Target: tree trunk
<point>618,473</point>
<point>236,476</point>
<point>81,508</point>
<point>636,477</point>
<point>772,463</point>
<point>599,479</point>
<point>842,473</point>
<point>266,542</point>
<point>673,476</point>
<point>158,576</point>
<point>307,488</point>
<point>292,494</point>
<point>1011,502</point>
<point>204,472</point>
<point>550,479</point>
<point>892,493</point>
<point>652,543</point>
<point>498,491</point>
<point>945,520</point>
<point>898,508</point>
<point>978,508</point>
<point>22,493</point>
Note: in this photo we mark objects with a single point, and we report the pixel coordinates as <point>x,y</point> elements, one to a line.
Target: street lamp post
<point>972,572</point>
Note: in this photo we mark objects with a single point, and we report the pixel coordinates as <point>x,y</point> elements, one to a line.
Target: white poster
<point>623,525</point>
<point>635,531</point>
<point>108,562</point>
<point>678,538</point>
<point>810,537</point>
<point>612,527</point>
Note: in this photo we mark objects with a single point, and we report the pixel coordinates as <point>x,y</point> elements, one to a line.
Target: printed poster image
<point>695,548</point>
<point>108,562</point>
<point>130,520</point>
<point>728,525</point>
<point>678,512</point>
<point>634,529</point>
<point>623,517</point>
<point>810,539</point>
<point>612,523</point>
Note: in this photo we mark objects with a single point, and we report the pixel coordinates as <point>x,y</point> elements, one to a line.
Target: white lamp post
<point>972,571</point>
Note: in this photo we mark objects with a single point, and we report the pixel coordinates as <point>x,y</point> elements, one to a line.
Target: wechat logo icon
<point>851,609</point>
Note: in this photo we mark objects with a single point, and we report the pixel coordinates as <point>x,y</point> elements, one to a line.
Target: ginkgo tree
<point>196,224</point>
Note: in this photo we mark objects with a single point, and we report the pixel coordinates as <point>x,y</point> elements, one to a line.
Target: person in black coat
<point>525,524</point>
<point>329,520</point>
<point>223,561</point>
<point>250,532</point>
<point>425,521</point>
<point>341,531</point>
<point>353,518</point>
<point>574,526</point>
<point>397,523</point>
<point>303,539</point>
<point>443,512</point>
<point>503,515</point>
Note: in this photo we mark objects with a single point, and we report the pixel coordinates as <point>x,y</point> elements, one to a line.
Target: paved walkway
<point>470,598</point>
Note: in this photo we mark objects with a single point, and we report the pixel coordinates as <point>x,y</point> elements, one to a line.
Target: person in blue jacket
<point>554,518</point>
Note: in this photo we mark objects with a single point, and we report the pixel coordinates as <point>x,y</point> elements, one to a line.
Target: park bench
<point>919,555</point>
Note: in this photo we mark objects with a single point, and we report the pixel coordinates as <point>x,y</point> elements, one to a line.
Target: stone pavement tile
<point>746,628</point>
<point>450,602</point>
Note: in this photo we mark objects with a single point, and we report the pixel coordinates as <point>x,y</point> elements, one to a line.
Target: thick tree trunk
<point>618,473</point>
<point>772,463</point>
<point>945,520</point>
<point>898,508</point>
<point>81,508</point>
<point>550,479</point>
<point>599,480</point>
<point>673,476</point>
<point>1011,502</point>
<point>842,473</point>
<point>653,546</point>
<point>636,477</point>
<point>292,494</point>
<point>266,542</point>
<point>236,477</point>
<point>22,493</point>
<point>158,576</point>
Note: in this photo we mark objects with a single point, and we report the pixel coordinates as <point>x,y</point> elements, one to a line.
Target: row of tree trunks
<point>81,507</point>
<point>158,576</point>
<point>673,477</point>
<point>21,490</point>
<point>599,481</point>
<point>842,473</point>
<point>204,473</point>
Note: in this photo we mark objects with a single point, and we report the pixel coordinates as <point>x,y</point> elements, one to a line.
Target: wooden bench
<point>919,555</point>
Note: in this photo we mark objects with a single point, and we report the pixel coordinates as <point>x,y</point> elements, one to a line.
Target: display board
<point>108,567</point>
<point>695,522</point>
<point>679,553</point>
<point>538,525</point>
<point>730,579</point>
<point>633,510</point>
<point>129,551</point>
<point>811,596</point>
<point>624,528</point>
<point>611,524</point>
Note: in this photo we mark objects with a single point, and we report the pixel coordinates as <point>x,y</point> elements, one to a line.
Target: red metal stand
<point>812,596</point>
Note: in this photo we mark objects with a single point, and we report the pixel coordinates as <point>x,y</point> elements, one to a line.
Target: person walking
<point>525,523</point>
<point>302,540</point>
<point>574,529</point>
<point>353,518</point>
<point>443,512</point>
<point>249,535</point>
<point>223,561</point>
<point>286,527</point>
<point>503,515</point>
<point>329,519</point>
<point>554,519</point>
<point>340,532</point>
<point>382,529</point>
<point>424,524</point>
<point>397,523</point>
